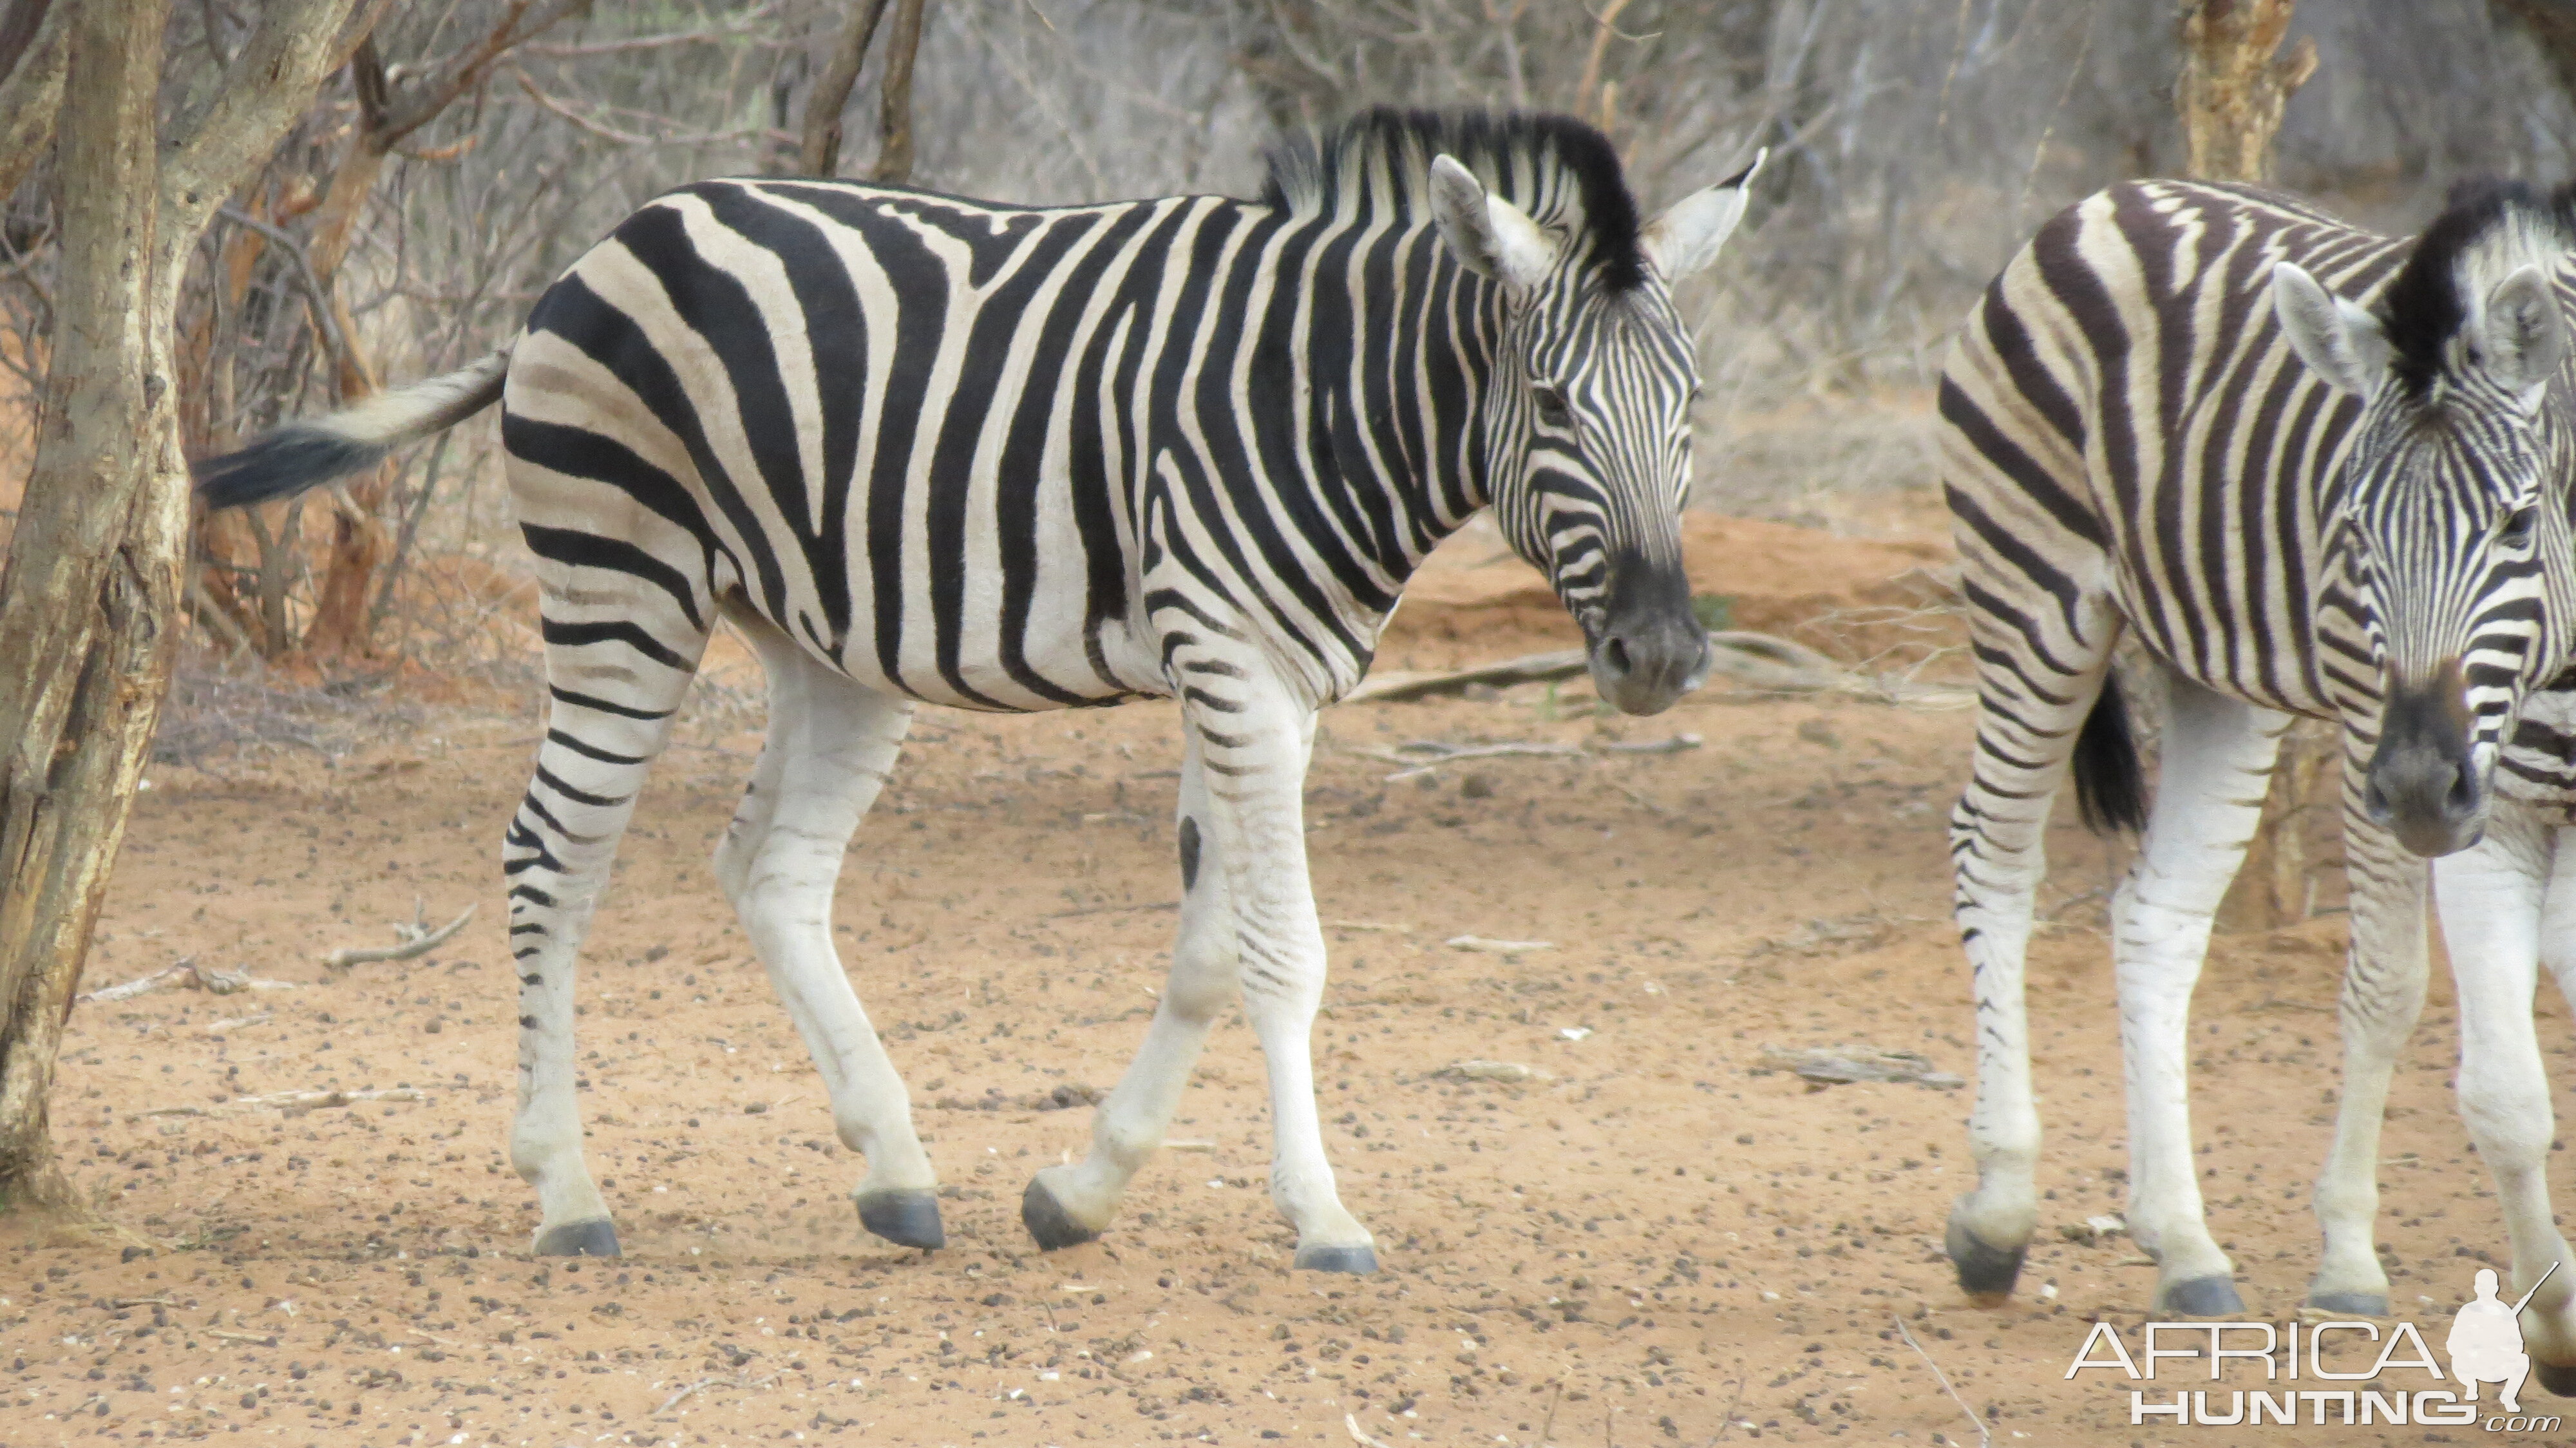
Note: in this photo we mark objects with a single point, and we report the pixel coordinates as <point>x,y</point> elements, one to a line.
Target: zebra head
<point>2451,534</point>
<point>1587,414</point>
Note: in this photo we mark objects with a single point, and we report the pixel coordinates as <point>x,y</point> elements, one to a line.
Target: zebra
<point>923,449</point>
<point>2315,471</point>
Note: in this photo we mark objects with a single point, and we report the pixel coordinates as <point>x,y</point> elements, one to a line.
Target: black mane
<point>2422,307</point>
<point>1559,170</point>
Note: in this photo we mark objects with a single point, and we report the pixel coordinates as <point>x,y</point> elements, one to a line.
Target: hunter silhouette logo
<point>2486,1340</point>
<point>2353,1384</point>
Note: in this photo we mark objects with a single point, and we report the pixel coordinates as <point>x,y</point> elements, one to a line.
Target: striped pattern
<point>2133,445</point>
<point>923,449</point>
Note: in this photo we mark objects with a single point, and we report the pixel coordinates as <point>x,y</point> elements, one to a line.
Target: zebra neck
<point>1401,381</point>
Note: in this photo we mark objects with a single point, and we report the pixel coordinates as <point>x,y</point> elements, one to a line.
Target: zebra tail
<point>2110,782</point>
<point>312,451</point>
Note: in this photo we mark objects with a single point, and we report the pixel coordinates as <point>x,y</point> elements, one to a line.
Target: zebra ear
<point>2526,338</point>
<point>1687,235</point>
<point>2342,342</point>
<point>1490,236</point>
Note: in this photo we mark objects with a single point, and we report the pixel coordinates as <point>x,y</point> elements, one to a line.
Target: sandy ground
<point>1652,1239</point>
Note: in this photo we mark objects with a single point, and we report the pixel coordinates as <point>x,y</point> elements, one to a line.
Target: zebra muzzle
<point>2423,782</point>
<point>1651,649</point>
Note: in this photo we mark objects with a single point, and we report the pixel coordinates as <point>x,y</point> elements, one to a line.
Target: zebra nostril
<point>1615,654</point>
<point>2374,802</point>
<point>2462,801</point>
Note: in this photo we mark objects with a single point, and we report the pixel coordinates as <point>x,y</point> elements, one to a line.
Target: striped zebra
<point>2318,472</point>
<point>925,449</point>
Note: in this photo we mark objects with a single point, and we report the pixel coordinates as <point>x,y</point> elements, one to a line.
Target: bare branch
<point>903,45</point>
<point>214,145</point>
<point>32,55</point>
<point>821,154</point>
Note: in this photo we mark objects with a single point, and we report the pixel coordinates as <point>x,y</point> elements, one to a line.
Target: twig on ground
<point>1547,1428</point>
<point>188,973</point>
<point>1424,755</point>
<point>315,1100</point>
<point>1823,1066</point>
<point>1114,909</point>
<point>1675,745</point>
<point>1351,1421</point>
<point>1527,669</point>
<point>264,1339</point>
<point>1728,1426</point>
<point>412,940</point>
<point>1483,946</point>
<point>1985,1435</point>
<point>1760,661</point>
<point>673,1401</point>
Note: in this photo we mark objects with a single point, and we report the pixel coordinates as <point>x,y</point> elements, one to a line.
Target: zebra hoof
<point>2351,1304</point>
<point>1358,1261</point>
<point>907,1219</point>
<point>1986,1274</point>
<point>2201,1297</point>
<point>1049,1222</point>
<point>594,1238</point>
<point>2559,1378</point>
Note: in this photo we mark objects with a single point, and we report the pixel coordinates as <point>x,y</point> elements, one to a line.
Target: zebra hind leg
<point>2218,756</point>
<point>1074,1203</point>
<point>608,717</point>
<point>830,746</point>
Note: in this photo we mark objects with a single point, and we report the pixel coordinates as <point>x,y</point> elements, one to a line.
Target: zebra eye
<point>1551,405</point>
<point>2518,524</point>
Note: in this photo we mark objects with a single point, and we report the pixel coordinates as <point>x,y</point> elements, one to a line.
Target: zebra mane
<point>1563,173</point>
<point>2488,229</point>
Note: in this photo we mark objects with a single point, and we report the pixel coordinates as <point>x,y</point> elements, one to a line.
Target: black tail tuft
<point>281,464</point>
<point>2110,783</point>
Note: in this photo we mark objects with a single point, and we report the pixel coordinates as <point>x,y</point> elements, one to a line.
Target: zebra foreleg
<point>2383,995</point>
<point>829,748</point>
<point>2491,897</point>
<point>1257,760</point>
<point>2035,692</point>
<point>1065,1205</point>
<point>2218,757</point>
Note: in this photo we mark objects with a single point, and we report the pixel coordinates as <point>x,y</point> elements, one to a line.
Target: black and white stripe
<point>924,449</point>
<point>2315,471</point>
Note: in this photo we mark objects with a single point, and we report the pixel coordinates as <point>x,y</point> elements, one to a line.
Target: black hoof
<point>2201,1297</point>
<point>1986,1274</point>
<point>2354,1304</point>
<point>2559,1378</point>
<point>1358,1261</point>
<point>907,1219</point>
<point>595,1238</point>
<point>1048,1222</point>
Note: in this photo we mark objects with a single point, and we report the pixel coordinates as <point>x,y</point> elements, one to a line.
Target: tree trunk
<point>2233,86</point>
<point>821,153</point>
<point>89,600</point>
<point>91,590</point>
<point>903,43</point>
